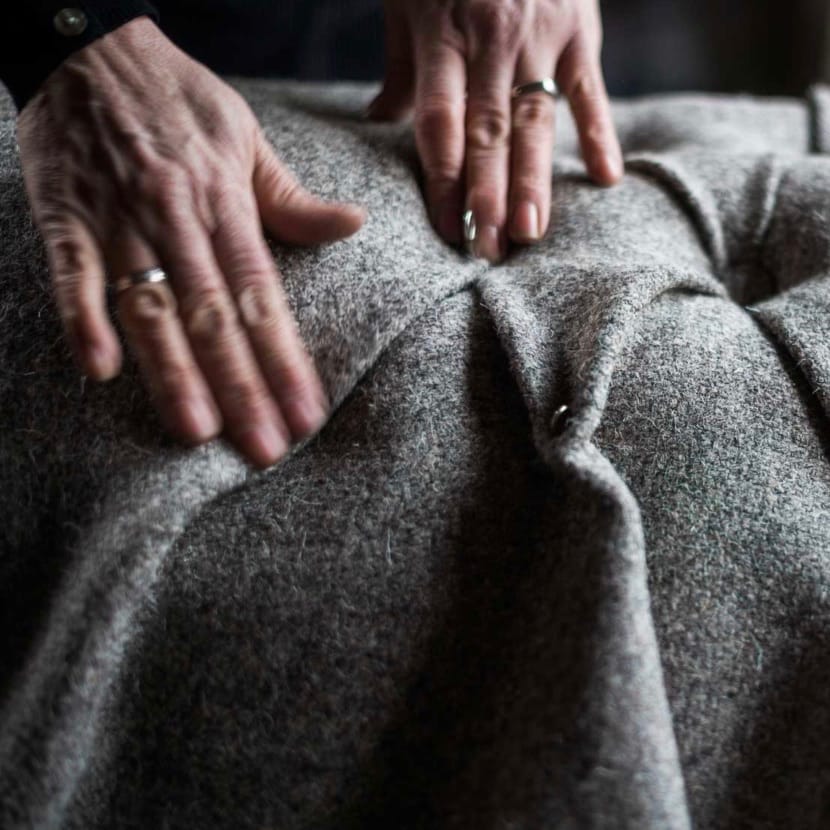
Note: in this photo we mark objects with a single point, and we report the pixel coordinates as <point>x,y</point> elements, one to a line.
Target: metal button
<point>70,22</point>
<point>560,419</point>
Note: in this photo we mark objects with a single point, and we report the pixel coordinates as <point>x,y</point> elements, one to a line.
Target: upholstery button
<point>560,419</point>
<point>70,22</point>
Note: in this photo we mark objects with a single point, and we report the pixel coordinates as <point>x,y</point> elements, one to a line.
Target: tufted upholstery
<point>451,610</point>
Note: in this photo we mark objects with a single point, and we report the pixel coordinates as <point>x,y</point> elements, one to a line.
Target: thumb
<point>292,214</point>
<point>395,98</point>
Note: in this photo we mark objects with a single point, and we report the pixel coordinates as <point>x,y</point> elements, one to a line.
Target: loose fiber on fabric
<point>451,609</point>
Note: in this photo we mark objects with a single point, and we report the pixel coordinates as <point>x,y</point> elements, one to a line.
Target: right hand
<point>135,156</point>
<point>456,62</point>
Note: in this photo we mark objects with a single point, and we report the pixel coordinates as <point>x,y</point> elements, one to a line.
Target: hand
<point>136,156</point>
<point>490,154</point>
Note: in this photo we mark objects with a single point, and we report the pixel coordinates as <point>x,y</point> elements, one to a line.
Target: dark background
<point>760,46</point>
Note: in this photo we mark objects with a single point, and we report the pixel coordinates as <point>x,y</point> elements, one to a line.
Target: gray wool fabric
<point>451,609</point>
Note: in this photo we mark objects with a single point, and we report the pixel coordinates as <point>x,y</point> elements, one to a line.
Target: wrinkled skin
<point>136,156</point>
<point>488,153</point>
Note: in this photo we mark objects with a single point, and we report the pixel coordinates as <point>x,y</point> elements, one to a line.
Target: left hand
<point>492,154</point>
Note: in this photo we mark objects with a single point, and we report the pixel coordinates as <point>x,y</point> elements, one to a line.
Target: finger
<point>531,152</point>
<point>579,76</point>
<point>253,422</point>
<point>395,97</point>
<point>78,280</point>
<point>491,66</point>
<point>439,125</point>
<point>254,281</point>
<point>290,212</point>
<point>151,324</point>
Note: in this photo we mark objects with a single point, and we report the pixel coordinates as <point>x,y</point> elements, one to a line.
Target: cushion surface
<point>450,609</point>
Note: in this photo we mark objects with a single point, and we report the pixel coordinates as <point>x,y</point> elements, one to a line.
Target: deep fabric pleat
<point>456,607</point>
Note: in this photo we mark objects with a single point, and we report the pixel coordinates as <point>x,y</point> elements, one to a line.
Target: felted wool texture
<point>448,609</point>
<point>737,553</point>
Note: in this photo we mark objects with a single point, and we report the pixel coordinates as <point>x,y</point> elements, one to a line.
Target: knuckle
<point>257,306</point>
<point>278,179</point>
<point>162,185</point>
<point>441,177</point>
<point>435,18</point>
<point>588,33</point>
<point>533,113</point>
<point>286,187</point>
<point>595,134</point>
<point>526,189</point>
<point>52,215</point>
<point>57,216</point>
<point>549,26</point>
<point>495,21</point>
<point>245,261</point>
<point>68,288</point>
<point>435,120</point>
<point>583,87</point>
<point>148,305</point>
<point>488,128</point>
<point>210,319</point>
<point>243,257</point>
<point>442,165</point>
<point>74,306</point>
<point>246,396</point>
<point>485,198</point>
<point>229,196</point>
<point>66,254</point>
<point>233,111</point>
<point>67,296</point>
<point>298,382</point>
<point>171,378</point>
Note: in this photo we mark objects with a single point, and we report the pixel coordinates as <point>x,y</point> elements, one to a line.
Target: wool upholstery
<point>449,609</point>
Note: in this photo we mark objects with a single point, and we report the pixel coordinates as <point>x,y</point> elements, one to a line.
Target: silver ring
<point>547,85</point>
<point>469,220</point>
<point>139,278</point>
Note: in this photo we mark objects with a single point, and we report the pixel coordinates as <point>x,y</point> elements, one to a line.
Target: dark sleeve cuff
<point>38,35</point>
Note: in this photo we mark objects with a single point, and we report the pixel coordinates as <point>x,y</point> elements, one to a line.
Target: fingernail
<point>200,419</point>
<point>613,165</point>
<point>101,363</point>
<point>487,244</point>
<point>526,221</point>
<point>312,416</point>
<point>267,443</point>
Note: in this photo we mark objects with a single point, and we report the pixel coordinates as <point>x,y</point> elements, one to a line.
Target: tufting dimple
<point>414,585</point>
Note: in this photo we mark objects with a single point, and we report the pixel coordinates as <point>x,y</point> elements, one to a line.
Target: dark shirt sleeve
<point>36,36</point>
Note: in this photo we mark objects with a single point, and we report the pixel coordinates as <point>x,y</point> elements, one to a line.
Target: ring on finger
<point>469,231</point>
<point>546,85</point>
<point>147,275</point>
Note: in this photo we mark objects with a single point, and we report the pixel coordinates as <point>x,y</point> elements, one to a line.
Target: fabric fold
<point>453,608</point>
